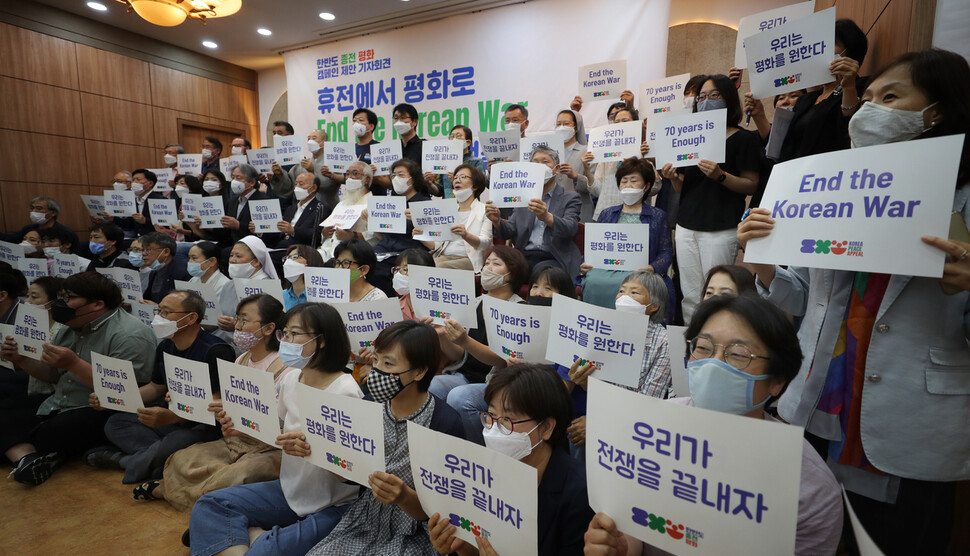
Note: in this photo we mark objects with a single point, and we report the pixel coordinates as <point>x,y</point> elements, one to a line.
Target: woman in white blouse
<point>472,227</point>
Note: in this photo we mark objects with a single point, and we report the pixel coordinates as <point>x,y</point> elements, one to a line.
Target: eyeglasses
<point>402,269</point>
<point>736,355</point>
<point>68,297</point>
<point>712,95</point>
<point>134,250</point>
<point>355,173</point>
<point>345,263</point>
<point>505,425</point>
<point>287,336</point>
<point>165,313</point>
<point>243,322</point>
<point>460,178</point>
<point>294,256</point>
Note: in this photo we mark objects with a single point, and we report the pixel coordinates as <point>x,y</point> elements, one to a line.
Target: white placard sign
<point>859,209</point>
<point>114,383</point>
<point>500,145</point>
<point>191,203</point>
<point>435,219</point>
<point>551,139</point>
<point>440,156</point>
<point>513,184</point>
<point>11,253</point>
<point>327,285</point>
<point>143,312</point>
<point>6,330</point>
<point>246,287</point>
<point>190,387</point>
<point>208,293</point>
<point>602,81</point>
<point>261,159</point>
<point>386,215</point>
<point>68,265</point>
<point>443,294</point>
<point>364,320</point>
<point>94,204</point>
<point>32,330</point>
<point>691,481</point>
<point>164,176</point>
<point>780,122</point>
<point>266,214</point>
<point>288,149</point>
<point>346,434</point>
<point>763,21</point>
<point>465,483</point>
<point>684,139</point>
<point>33,268</point>
<point>339,156</point>
<point>129,281</point>
<point>612,341</point>
<point>865,544</point>
<point>792,56</point>
<point>163,212</point>
<point>516,330</point>
<point>249,398</point>
<point>383,155</point>
<point>618,246</point>
<point>663,95</point>
<point>228,163</point>
<point>344,217</point>
<point>189,164</point>
<point>677,349</point>
<point>119,203</point>
<point>614,142</point>
<point>211,210</point>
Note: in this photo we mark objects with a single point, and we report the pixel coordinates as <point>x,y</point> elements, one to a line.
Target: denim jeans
<point>469,402</point>
<point>441,385</point>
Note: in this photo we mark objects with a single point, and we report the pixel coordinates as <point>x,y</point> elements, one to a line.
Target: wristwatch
<point>722,177</point>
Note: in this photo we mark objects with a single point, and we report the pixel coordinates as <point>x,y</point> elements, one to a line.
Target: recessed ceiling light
<point>98,6</point>
<point>209,44</point>
<point>327,16</point>
<point>264,31</point>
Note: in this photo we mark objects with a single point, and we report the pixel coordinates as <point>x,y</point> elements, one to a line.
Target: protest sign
<point>32,330</point>
<point>435,219</point>
<point>780,122</point>
<point>686,138</point>
<point>612,341</point>
<point>262,159</point>
<point>500,145</point>
<point>513,184</point>
<point>386,215</point>
<point>663,95</point>
<point>11,253</point>
<point>763,21</point>
<point>209,294</point>
<point>516,330</point>
<point>119,203</point>
<point>249,399</point>
<point>344,217</point>
<point>618,246</point>
<point>129,281</point>
<point>864,543</point>
<point>288,149</point>
<point>191,203</point>
<point>94,204</point>
<point>382,155</point>
<point>190,387</point>
<point>211,211</point>
<point>68,265</point>
<point>246,287</point>
<point>677,350</point>
<point>163,212</point>
<point>228,163</point>
<point>6,330</point>
<point>114,383</point>
<point>345,434</point>
<point>480,491</point>
<point>144,312</point>
<point>33,268</point>
<point>164,176</point>
<point>189,164</point>
<point>364,320</point>
<point>266,214</point>
<point>614,142</point>
<point>327,285</point>
<point>692,481</point>
<point>443,294</point>
<point>440,156</point>
<point>792,56</point>
<point>602,81</point>
<point>859,209</point>
<point>339,156</point>
<point>551,139</point>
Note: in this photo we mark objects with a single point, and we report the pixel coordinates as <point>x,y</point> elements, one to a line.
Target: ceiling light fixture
<point>98,6</point>
<point>327,16</point>
<point>169,13</point>
<point>264,31</point>
<point>209,44</point>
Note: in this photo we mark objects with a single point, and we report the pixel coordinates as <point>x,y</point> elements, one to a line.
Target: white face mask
<point>547,175</point>
<point>49,252</point>
<point>313,146</point>
<point>211,186</point>
<point>689,102</point>
<point>463,194</point>
<point>516,445</point>
<point>353,184</point>
<point>492,280</point>
<point>237,150</point>
<point>627,304</point>
<point>206,153</point>
<point>38,217</point>
<point>631,195</point>
<point>29,248</point>
<point>401,284</point>
<point>565,132</point>
<point>137,188</point>
<point>118,186</point>
<point>165,328</point>
<point>875,124</point>
<point>238,187</point>
<point>241,270</point>
<point>170,159</point>
<point>400,184</point>
<point>360,129</point>
<point>513,126</point>
<point>301,194</point>
<point>293,270</point>
<point>181,190</point>
<point>402,128</point>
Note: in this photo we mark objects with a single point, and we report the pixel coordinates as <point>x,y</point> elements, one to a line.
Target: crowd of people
<point>873,366</point>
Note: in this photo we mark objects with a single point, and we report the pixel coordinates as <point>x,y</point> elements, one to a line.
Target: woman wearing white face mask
<point>408,182</point>
<point>575,174</point>
<point>250,259</point>
<point>872,406</point>
<point>43,292</point>
<point>603,185</point>
<point>203,267</point>
<point>743,353</point>
<point>298,259</point>
<point>401,282</point>
<point>528,411</point>
<point>462,133</point>
<point>472,228</point>
<point>213,184</point>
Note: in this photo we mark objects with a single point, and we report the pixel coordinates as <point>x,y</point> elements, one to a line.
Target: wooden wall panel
<point>38,158</point>
<point>109,74</point>
<point>40,108</point>
<point>37,57</point>
<point>166,126</point>
<point>16,203</point>
<point>179,90</point>
<point>890,35</point>
<point>104,159</point>
<point>228,102</point>
<point>873,8</point>
<point>119,121</point>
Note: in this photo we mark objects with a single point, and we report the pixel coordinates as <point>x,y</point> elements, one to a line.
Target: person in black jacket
<point>301,220</point>
<point>158,250</point>
<point>237,218</point>
<point>143,185</point>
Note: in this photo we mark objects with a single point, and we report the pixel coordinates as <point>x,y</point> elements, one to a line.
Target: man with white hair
<point>356,188</point>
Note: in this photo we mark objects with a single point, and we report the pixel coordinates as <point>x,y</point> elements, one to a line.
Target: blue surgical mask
<point>291,354</point>
<point>156,264</point>
<point>711,104</point>
<point>136,259</point>
<point>717,386</point>
<point>95,248</point>
<point>195,269</point>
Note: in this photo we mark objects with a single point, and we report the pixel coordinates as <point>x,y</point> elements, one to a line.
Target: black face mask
<point>540,301</point>
<point>63,313</point>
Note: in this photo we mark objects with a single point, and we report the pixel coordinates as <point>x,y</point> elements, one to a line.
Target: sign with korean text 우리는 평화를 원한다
<point>114,383</point>
<point>443,294</point>
<point>763,21</point>
<point>94,204</point>
<point>190,387</point>
<point>31,329</point>
<point>339,156</point>
<point>119,203</point>
<point>617,246</point>
<point>515,329</point>
<point>435,219</point>
<point>288,149</point>
<point>249,398</point>
<point>792,56</point>
<point>246,287</point>
<point>686,138</point>
<point>602,81</point>
<point>327,285</point>
<point>211,210</point>
<point>514,184</point>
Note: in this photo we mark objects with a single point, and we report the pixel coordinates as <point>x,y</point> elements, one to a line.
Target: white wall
<point>272,85</point>
<point>719,11</point>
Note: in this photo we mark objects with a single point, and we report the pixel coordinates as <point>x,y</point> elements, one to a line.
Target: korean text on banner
<point>551,139</point>
<point>211,210</point>
<point>716,483</point>
<point>209,294</point>
<point>246,287</point>
<point>31,330</point>
<point>443,294</point>
<point>344,217</point>
<point>684,139</point>
<point>618,246</point>
<point>114,383</point>
<point>191,204</point>
<point>792,56</point>
<point>500,145</point>
<point>435,219</point>
<point>6,330</point>
<point>859,209</point>
<point>382,155</point>
<point>467,484</point>
<point>33,268</point>
<point>327,285</point>
<point>513,184</point>
<point>385,215</point>
<point>189,164</point>
<point>339,156</point>
<point>614,142</point>
<point>119,203</point>
<point>288,149</point>
<point>163,212</point>
<point>249,398</point>
<point>364,320</point>
<point>266,214</point>
<point>143,312</point>
<point>763,21</point>
<point>129,282</point>
<point>663,95</point>
<point>228,163</point>
<point>346,434</point>
<point>190,387</point>
<point>612,341</point>
<point>602,81</point>
<point>262,159</point>
<point>441,156</point>
<point>516,330</point>
<point>94,204</point>
<point>11,253</point>
<point>164,176</point>
<point>677,348</point>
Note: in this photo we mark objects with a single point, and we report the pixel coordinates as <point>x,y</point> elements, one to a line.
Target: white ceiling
<point>293,22</point>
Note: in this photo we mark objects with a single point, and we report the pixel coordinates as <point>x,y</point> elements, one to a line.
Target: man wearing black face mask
<point>89,306</point>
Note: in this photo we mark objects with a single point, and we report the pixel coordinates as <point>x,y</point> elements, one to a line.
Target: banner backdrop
<point>476,76</point>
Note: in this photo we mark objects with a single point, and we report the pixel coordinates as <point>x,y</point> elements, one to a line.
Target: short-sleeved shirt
<point>207,348</point>
<point>412,150</point>
<point>709,206</point>
<point>363,151</point>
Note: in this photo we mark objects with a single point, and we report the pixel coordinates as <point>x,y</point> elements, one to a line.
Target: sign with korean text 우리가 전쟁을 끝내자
<point>500,145</point>
<point>246,287</point>
<point>617,246</point>
<point>114,383</point>
<point>792,56</point>
<point>443,294</point>
<point>190,388</point>
<point>262,159</point>
<point>249,398</point>
<point>441,156</point>
<point>615,142</point>
<point>602,81</point>
<point>383,155</point>
<point>266,214</point>
<point>344,217</point>
<point>686,138</point>
<point>209,294</point>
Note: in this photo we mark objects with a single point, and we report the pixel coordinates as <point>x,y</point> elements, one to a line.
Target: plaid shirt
<point>655,369</point>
